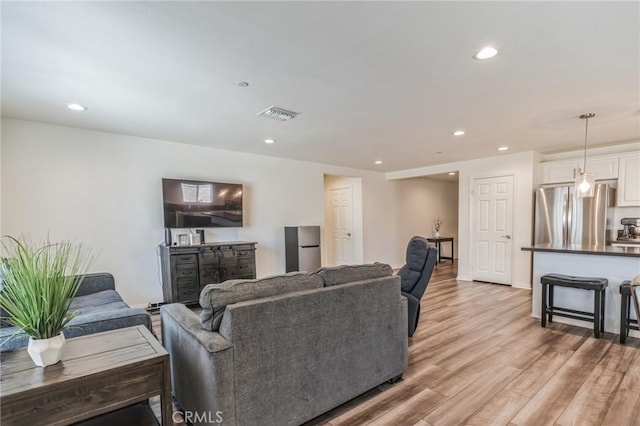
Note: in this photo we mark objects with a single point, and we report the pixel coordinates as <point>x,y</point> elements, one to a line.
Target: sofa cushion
<point>93,283</point>
<point>95,302</point>
<point>4,322</point>
<point>12,338</point>
<point>93,310</point>
<point>350,273</point>
<point>95,299</point>
<point>99,320</point>
<point>90,303</point>
<point>88,320</point>
<point>214,298</point>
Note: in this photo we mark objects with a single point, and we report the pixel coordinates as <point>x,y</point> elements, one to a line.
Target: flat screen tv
<point>197,204</point>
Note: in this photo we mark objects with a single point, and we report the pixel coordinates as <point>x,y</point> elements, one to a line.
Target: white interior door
<point>492,225</point>
<point>341,207</point>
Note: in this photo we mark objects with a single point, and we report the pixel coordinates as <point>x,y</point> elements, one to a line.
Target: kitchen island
<point>617,264</point>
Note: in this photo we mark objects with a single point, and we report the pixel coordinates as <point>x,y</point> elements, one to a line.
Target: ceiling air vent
<point>278,113</point>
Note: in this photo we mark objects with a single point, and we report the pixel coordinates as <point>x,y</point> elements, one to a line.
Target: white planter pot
<point>437,234</point>
<point>45,352</point>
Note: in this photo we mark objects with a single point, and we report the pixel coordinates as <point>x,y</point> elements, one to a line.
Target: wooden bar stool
<point>597,285</point>
<point>626,323</point>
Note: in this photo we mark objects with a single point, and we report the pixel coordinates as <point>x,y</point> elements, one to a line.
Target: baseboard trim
<point>140,306</point>
<point>522,286</point>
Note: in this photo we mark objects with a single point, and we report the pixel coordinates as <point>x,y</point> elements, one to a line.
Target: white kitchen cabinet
<point>564,171</point>
<point>559,171</point>
<point>603,167</point>
<point>628,193</point>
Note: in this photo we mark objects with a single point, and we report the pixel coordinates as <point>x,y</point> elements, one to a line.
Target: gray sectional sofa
<point>99,307</point>
<point>285,349</point>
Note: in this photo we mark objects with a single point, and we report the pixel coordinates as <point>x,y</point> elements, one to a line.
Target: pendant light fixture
<point>585,182</point>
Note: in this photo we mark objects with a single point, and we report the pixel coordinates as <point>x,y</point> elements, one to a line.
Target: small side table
<point>438,242</point>
<point>98,374</point>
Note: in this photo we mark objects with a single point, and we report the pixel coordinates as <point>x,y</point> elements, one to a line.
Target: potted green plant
<point>38,285</point>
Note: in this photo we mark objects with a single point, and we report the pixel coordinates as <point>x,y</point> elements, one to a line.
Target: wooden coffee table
<point>99,373</point>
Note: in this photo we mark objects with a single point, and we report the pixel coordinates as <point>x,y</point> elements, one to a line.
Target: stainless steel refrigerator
<point>302,248</point>
<point>563,218</point>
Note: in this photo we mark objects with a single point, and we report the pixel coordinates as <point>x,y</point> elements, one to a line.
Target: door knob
<point>508,237</point>
<point>348,234</point>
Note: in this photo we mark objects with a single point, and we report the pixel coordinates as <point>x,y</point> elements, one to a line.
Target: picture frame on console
<point>184,239</point>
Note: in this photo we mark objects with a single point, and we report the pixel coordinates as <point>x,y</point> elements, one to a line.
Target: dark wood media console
<point>187,269</point>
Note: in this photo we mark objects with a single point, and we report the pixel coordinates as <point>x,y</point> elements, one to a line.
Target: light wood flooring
<point>478,358</point>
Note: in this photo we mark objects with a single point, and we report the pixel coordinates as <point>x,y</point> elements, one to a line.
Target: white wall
<point>419,201</point>
<point>104,189</point>
<point>522,166</point>
<point>1,233</point>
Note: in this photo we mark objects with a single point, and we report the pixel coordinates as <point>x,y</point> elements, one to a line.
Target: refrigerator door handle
<point>565,218</point>
<point>570,219</point>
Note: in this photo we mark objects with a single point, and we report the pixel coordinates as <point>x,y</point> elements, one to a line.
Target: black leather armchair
<point>415,275</point>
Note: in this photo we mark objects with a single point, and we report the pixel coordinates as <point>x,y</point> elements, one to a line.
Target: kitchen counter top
<point>585,249</point>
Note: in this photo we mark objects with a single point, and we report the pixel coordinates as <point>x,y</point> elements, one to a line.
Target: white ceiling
<point>373,80</point>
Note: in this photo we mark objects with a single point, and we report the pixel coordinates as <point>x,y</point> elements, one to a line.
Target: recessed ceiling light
<point>76,107</point>
<point>486,53</point>
<point>243,84</point>
<point>378,161</point>
<point>503,148</point>
<point>452,173</point>
<point>458,133</point>
<point>269,141</point>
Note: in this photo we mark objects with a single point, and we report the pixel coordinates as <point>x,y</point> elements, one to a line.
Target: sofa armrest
<point>189,323</point>
<point>404,315</point>
<point>413,312</point>
<point>93,283</point>
<point>202,369</point>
